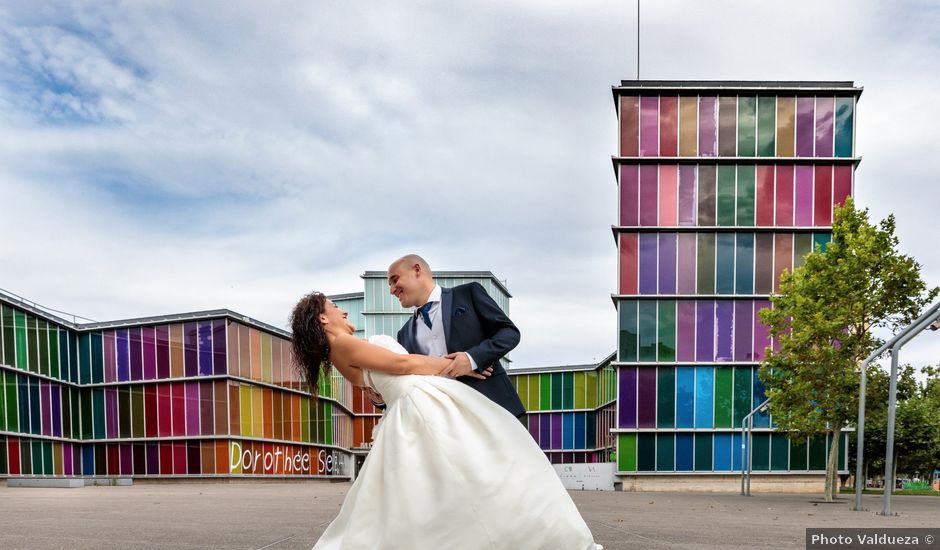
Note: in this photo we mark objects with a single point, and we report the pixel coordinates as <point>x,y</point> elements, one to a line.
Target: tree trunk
<point>831,467</point>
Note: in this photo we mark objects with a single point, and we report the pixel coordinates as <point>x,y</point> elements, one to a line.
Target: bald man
<point>462,323</point>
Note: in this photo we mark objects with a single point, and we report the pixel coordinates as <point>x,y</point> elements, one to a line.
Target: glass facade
<point>207,396</point>
<point>723,186</point>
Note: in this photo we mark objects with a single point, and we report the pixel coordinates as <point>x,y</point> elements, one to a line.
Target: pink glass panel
<point>784,194</point>
<point>761,331</point>
<point>803,210</point>
<point>685,330</point>
<point>686,282</point>
<point>707,137</point>
<point>805,125</point>
<point>668,207</point>
<point>823,197</point>
<point>629,195</point>
<point>765,195</point>
<point>824,109</point>
<point>649,203</point>
<point>841,184</point>
<point>687,194</point>
<point>668,126</point>
<point>649,126</point>
<point>629,251</point>
<point>629,126</point>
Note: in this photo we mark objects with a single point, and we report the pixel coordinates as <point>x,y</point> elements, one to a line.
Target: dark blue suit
<point>474,323</point>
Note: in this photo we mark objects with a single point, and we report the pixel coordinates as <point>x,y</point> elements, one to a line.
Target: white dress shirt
<point>431,341</point>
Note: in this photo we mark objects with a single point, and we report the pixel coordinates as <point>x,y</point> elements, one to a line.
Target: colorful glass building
<point>722,187</point>
<point>204,394</point>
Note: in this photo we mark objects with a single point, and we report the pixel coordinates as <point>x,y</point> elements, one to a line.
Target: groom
<point>462,323</point>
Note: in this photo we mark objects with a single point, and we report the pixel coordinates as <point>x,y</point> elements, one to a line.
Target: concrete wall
<point>772,483</point>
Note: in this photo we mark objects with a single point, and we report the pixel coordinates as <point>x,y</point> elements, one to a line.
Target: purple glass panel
<point>163,352</point>
<point>127,460</point>
<point>111,412</point>
<point>192,408</point>
<point>123,357</point>
<point>761,331</point>
<point>46,408</point>
<point>649,195</point>
<point>707,138</point>
<point>110,362</point>
<point>686,284</point>
<point>218,346</point>
<point>56,410</point>
<point>67,459</point>
<point>626,401</point>
<point>685,330</point>
<point>190,363</point>
<point>649,126</point>
<point>150,353</point>
<point>647,263</point>
<point>646,397</point>
<point>630,195</point>
<point>687,194</point>
<point>804,126</point>
<point>743,330</point>
<point>667,263</point>
<point>724,327</point>
<point>545,431</point>
<point>533,420</point>
<point>705,331</point>
<point>803,207</point>
<point>153,459</point>
<point>136,354</point>
<point>204,343</point>
<point>556,431</point>
<point>824,108</point>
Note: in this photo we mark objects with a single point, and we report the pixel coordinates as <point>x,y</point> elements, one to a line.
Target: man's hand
<point>460,366</point>
<point>373,395</point>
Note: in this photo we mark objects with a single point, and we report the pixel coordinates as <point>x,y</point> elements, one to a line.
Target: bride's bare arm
<point>359,353</point>
<point>353,374</point>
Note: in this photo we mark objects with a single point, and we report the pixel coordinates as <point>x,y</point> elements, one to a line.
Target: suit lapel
<point>447,310</point>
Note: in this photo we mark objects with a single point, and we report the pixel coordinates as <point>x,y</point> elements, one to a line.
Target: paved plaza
<point>292,515</point>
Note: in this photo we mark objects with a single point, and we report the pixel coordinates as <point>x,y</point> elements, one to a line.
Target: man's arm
<point>500,334</point>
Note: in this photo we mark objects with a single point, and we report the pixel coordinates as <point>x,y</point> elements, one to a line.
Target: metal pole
<point>917,326</point>
<point>745,447</point>
<point>750,452</point>
<point>637,39</point>
<point>889,451</point>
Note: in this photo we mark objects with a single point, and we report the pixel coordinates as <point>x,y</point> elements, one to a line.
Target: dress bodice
<point>391,386</point>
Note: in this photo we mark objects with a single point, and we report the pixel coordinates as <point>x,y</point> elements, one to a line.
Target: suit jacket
<point>474,323</point>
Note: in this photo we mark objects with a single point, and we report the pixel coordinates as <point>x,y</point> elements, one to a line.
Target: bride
<point>448,467</point>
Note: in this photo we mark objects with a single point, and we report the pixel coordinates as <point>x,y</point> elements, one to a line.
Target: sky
<point>166,157</point>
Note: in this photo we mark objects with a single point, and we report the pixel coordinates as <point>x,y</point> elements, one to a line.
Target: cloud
<point>161,158</point>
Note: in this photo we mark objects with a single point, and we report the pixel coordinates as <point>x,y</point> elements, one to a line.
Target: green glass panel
<point>802,245</point>
<point>646,452</point>
<point>821,240</point>
<point>26,462</point>
<point>726,199</point>
<point>667,330</point>
<point>557,389</point>
<point>647,330</point>
<point>47,467</point>
<point>73,357</point>
<point>723,396</point>
<point>32,348</point>
<point>76,413</point>
<point>567,393</point>
<point>817,453</point>
<point>328,428</point>
<point>665,452</point>
<point>54,352</point>
<point>244,394</point>
<point>305,415</point>
<point>84,358</point>
<point>97,404</point>
<point>124,411</point>
<point>4,468</point>
<point>760,459</point>
<point>87,420</point>
<point>3,398</point>
<point>742,394</point>
<point>545,392</point>
<point>724,272</point>
<point>779,451</point>
<point>626,452</point>
<point>97,358</point>
<point>747,126</point>
<point>666,397</point>
<point>745,195</point>
<point>591,386</point>
<point>580,392</point>
<point>705,277</point>
<point>64,354</point>
<point>12,403</point>
<point>703,452</point>
<point>9,338</point>
<point>843,126</point>
<point>42,344</point>
<point>628,331</point>
<point>534,395</point>
<point>19,320</point>
<point>137,408</point>
<point>766,125</point>
<point>36,452</point>
<point>266,367</point>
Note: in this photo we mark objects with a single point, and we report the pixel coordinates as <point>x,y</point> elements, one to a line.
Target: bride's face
<point>336,317</point>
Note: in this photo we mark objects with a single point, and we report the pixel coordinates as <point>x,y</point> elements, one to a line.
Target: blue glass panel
<point>36,408</point>
<point>567,431</point>
<point>579,430</point>
<point>685,397</point>
<point>24,405</point>
<point>761,419</point>
<point>684,452</point>
<point>88,460</point>
<point>736,450</point>
<point>545,431</point>
<point>744,274</point>
<point>704,397</point>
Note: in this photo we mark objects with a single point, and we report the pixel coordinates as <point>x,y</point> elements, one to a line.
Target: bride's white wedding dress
<point>450,469</point>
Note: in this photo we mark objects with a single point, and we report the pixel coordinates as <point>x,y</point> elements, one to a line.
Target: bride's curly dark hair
<point>309,344</point>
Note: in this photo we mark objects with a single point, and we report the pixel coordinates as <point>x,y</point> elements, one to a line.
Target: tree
<point>823,320</point>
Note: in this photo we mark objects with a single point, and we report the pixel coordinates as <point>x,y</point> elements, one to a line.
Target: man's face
<point>404,284</point>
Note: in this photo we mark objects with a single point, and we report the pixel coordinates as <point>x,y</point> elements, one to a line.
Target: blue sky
<point>160,157</point>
